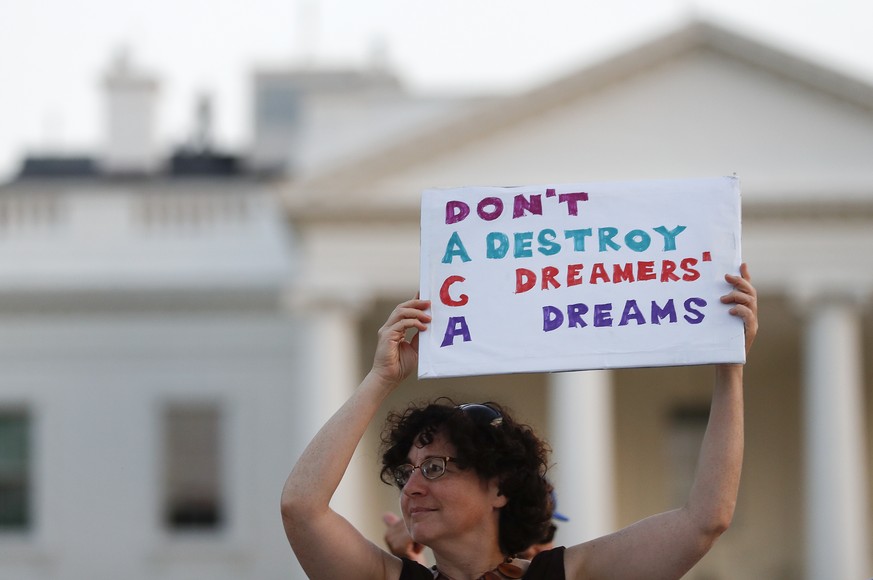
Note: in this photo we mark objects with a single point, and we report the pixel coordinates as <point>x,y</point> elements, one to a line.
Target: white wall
<point>96,386</point>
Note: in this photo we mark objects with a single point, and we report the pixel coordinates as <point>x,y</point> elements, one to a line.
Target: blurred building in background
<point>308,120</point>
<point>145,356</point>
<point>175,327</point>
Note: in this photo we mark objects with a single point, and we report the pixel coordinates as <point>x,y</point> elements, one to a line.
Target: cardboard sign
<point>579,276</point>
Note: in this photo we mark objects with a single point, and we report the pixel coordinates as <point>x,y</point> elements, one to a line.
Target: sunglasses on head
<point>483,413</point>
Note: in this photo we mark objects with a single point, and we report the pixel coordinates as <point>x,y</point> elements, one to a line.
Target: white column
<point>581,434</point>
<point>836,477</point>
<point>331,372</point>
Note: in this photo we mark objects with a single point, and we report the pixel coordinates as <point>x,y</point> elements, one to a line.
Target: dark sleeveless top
<point>548,565</point>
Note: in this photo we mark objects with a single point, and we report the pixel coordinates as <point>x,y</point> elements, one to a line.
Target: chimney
<point>130,147</point>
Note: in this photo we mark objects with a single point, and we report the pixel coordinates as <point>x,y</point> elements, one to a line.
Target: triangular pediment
<point>701,101</point>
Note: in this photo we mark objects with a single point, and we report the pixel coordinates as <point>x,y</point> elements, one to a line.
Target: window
<point>687,426</point>
<point>14,470</point>
<point>192,467</point>
<point>277,105</point>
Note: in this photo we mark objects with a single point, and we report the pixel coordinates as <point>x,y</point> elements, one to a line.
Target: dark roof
<point>49,166</point>
<point>204,164</point>
<point>181,164</point>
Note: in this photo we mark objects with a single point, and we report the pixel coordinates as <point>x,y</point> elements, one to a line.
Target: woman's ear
<point>498,499</point>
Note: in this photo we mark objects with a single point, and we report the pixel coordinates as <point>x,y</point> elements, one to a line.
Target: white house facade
<point>702,101</point>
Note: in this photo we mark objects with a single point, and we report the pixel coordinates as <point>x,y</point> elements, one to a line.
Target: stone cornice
<point>844,211</point>
<point>849,211</point>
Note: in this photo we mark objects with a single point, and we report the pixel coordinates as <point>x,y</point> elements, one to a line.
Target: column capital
<point>306,300</point>
<point>806,299</point>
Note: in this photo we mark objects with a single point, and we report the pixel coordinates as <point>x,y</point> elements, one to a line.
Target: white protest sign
<point>579,276</point>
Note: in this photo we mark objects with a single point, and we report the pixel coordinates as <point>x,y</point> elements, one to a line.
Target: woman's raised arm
<point>327,545</point>
<point>667,545</point>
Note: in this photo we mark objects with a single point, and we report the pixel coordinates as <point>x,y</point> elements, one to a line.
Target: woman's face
<point>458,505</point>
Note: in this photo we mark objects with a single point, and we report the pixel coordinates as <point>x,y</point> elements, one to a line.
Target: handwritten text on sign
<point>579,276</point>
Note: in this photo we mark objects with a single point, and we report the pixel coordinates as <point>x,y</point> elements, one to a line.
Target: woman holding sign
<point>473,488</point>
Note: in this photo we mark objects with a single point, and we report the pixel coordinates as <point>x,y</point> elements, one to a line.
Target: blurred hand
<point>399,541</point>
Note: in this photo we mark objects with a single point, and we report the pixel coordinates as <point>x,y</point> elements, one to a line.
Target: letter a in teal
<point>455,248</point>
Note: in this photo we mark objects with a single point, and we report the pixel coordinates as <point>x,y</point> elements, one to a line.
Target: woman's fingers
<point>395,355</point>
<point>409,314</point>
<point>744,298</point>
<point>743,292</point>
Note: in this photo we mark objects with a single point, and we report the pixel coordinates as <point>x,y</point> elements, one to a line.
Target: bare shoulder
<point>576,557</point>
<point>611,556</point>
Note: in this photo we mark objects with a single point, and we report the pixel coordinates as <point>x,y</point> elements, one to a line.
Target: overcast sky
<point>54,52</point>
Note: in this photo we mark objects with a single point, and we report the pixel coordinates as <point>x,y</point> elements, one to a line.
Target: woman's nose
<point>416,484</point>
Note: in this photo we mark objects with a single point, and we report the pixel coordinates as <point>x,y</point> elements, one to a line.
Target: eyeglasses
<point>482,412</point>
<point>431,468</point>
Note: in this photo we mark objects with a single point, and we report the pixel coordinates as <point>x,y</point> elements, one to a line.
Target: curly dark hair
<point>510,452</point>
